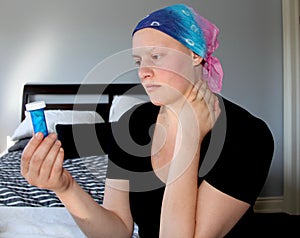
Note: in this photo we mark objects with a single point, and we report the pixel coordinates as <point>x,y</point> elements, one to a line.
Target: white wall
<point>62,40</point>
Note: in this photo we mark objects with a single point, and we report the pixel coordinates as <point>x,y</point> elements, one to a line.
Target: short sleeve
<point>244,162</point>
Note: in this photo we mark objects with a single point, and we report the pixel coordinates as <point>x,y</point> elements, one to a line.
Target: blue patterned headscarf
<point>193,31</point>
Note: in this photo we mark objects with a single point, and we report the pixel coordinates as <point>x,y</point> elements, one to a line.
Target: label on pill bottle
<point>38,119</point>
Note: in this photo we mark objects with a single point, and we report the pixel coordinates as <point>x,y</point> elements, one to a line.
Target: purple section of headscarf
<point>198,34</point>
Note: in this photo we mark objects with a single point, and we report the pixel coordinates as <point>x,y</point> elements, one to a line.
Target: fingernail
<point>39,135</point>
<point>58,143</point>
<point>53,136</point>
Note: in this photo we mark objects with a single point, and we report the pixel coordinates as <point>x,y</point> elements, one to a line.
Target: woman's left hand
<point>196,118</point>
<point>199,111</point>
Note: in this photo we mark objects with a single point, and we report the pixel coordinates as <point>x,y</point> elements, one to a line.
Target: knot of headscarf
<point>192,30</point>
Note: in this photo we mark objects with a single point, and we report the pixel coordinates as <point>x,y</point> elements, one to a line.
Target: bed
<point>26,211</point>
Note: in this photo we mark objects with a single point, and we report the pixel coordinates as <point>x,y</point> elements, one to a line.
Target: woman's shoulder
<point>239,117</point>
<point>243,129</point>
<point>234,109</point>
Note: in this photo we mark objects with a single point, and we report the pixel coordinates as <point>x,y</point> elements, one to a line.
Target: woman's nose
<point>145,72</point>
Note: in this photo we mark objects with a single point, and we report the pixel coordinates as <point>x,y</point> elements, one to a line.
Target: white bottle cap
<point>35,105</point>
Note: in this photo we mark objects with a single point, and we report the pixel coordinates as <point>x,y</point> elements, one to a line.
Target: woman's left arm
<point>179,206</point>
<point>178,216</point>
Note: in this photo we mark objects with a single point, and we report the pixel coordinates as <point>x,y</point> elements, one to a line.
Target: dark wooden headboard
<point>108,90</point>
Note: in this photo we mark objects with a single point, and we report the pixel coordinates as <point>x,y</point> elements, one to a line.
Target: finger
<point>49,161</point>
<point>195,90</point>
<point>198,84</point>
<point>217,108</point>
<point>56,176</point>
<point>209,98</point>
<point>40,154</point>
<point>57,169</point>
<point>214,108</point>
<point>202,90</point>
<point>29,150</point>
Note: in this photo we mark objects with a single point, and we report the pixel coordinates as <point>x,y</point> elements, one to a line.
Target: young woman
<point>195,162</point>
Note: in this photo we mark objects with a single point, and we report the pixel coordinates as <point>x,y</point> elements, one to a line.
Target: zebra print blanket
<point>89,172</point>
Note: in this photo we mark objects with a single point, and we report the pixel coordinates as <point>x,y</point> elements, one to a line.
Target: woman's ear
<point>197,59</point>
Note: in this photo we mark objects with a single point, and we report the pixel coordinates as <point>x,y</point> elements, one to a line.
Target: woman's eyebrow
<point>137,51</point>
<point>135,55</point>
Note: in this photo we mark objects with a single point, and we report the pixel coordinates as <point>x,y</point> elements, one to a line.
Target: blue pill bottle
<point>36,110</point>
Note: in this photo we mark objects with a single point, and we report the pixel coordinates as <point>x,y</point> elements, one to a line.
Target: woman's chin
<point>156,102</point>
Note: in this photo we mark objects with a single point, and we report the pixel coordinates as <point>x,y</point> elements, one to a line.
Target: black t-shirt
<point>235,158</point>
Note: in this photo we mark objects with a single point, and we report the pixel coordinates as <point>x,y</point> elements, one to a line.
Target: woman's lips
<point>151,87</point>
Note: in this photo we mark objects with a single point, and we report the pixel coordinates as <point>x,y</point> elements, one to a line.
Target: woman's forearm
<point>178,214</point>
<point>180,199</point>
<point>93,219</point>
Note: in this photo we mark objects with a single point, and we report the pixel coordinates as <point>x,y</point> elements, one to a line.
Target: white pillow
<point>122,104</point>
<point>54,117</point>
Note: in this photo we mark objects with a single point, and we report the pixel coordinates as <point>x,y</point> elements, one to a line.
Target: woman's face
<point>166,67</point>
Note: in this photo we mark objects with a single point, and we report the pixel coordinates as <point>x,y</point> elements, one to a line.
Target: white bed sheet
<point>37,222</point>
<point>40,222</point>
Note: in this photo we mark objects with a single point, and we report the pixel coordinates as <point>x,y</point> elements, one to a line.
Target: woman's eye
<point>156,56</point>
<point>137,62</point>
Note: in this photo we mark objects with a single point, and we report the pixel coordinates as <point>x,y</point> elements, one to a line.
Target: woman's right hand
<point>42,164</point>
